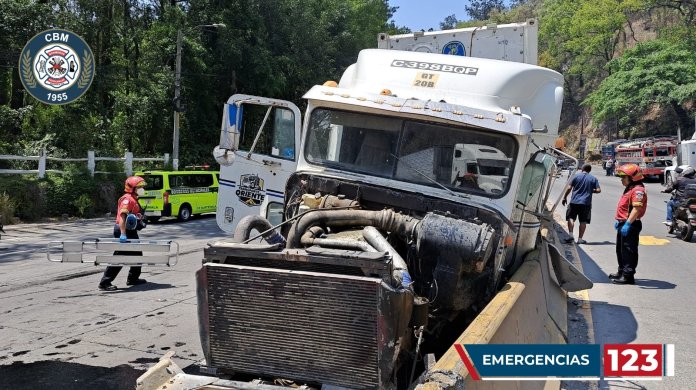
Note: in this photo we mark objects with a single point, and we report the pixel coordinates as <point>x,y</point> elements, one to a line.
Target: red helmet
<point>631,170</point>
<point>134,182</point>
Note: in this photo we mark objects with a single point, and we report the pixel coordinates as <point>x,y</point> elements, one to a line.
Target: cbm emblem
<point>56,66</point>
<point>250,190</point>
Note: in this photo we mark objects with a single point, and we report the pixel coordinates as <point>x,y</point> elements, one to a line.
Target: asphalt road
<point>659,309</point>
<point>58,331</point>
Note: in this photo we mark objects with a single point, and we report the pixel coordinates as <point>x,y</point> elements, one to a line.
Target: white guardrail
<point>100,252</point>
<point>91,160</point>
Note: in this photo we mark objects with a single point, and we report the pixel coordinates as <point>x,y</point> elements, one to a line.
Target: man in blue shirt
<point>583,186</point>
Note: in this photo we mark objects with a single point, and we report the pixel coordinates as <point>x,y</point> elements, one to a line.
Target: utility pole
<point>582,144</point>
<point>177,103</point>
<point>177,94</point>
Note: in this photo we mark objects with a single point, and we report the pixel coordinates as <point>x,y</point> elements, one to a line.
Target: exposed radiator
<point>306,326</point>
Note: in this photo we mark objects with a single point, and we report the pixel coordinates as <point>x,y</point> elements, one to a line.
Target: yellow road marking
<point>652,240</point>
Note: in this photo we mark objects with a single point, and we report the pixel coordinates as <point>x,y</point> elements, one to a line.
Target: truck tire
<point>668,179</point>
<point>184,212</point>
<point>686,233</point>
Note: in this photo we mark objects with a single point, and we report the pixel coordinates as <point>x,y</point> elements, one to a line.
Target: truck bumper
<point>167,375</point>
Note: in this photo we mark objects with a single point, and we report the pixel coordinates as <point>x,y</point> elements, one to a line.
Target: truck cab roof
<point>453,87</point>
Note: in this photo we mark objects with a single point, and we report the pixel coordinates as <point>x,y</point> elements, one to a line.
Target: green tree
<point>579,36</point>
<point>653,73</point>
<point>481,9</point>
<point>449,23</point>
<point>277,48</point>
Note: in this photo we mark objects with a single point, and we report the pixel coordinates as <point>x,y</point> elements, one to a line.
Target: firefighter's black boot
<point>624,279</point>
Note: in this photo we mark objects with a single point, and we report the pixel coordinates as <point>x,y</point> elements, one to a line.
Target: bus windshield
<point>460,158</point>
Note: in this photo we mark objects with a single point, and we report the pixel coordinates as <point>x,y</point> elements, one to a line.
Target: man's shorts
<point>583,212</point>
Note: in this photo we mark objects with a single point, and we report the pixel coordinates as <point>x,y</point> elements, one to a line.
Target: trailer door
<point>257,152</point>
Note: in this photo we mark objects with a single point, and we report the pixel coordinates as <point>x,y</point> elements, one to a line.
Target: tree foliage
<point>658,73</point>
<point>583,35</point>
<point>482,9</point>
<point>280,48</point>
<point>449,22</point>
<point>276,48</point>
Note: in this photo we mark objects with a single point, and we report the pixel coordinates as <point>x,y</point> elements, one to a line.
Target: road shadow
<point>599,243</point>
<point>57,375</point>
<point>22,252</point>
<point>652,284</point>
<point>597,275</point>
<point>591,269</point>
<point>622,329</point>
<point>149,286</point>
<point>175,220</point>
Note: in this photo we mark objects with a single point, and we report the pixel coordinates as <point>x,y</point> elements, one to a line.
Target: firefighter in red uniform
<point>129,220</point>
<point>629,211</point>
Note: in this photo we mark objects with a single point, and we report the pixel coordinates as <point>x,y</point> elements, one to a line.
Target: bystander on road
<point>658,308</point>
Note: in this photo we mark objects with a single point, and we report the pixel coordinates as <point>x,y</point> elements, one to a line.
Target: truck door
<point>531,202</point>
<point>257,152</point>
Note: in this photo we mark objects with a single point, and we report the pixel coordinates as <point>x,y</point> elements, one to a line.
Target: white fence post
<point>166,159</point>
<point>42,163</point>
<point>128,164</point>
<point>91,163</point>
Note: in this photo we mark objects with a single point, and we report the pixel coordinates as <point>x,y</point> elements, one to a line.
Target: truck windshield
<point>462,159</point>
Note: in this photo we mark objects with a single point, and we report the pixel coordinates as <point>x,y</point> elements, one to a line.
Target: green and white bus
<point>180,194</point>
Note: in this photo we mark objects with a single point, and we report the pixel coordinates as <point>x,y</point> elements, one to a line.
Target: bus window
<point>662,152</point>
<point>153,182</point>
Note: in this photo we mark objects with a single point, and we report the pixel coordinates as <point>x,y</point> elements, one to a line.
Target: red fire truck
<point>652,154</point>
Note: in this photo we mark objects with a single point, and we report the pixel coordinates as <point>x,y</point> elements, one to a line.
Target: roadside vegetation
<point>629,67</point>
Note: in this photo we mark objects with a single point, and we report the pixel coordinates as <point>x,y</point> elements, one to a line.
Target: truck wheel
<point>153,219</point>
<point>184,213</point>
<point>687,232</point>
<point>668,180</point>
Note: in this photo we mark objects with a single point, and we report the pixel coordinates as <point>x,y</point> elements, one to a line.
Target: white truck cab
<point>686,157</point>
<point>383,125</point>
<point>417,190</point>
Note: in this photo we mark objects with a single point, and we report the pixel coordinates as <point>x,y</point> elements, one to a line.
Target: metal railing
<point>91,161</point>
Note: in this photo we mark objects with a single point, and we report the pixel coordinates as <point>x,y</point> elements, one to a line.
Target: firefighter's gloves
<point>564,202</point>
<point>625,228</point>
<point>123,238</point>
<point>616,225</point>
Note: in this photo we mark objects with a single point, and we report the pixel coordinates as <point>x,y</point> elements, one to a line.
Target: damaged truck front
<point>418,189</point>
